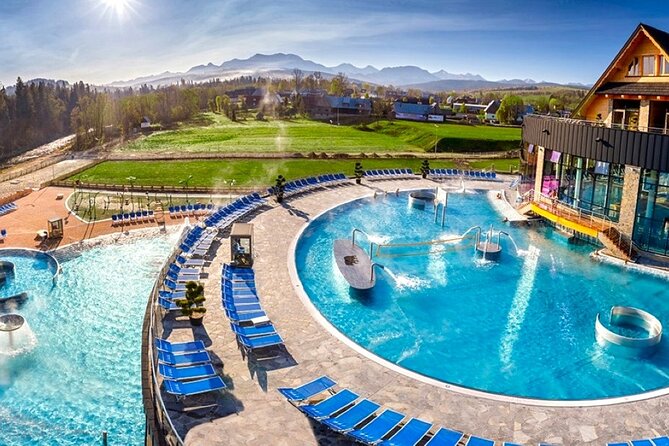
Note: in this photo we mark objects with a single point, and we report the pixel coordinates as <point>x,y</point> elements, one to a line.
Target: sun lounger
<point>184,373</point>
<point>410,434</point>
<point>378,428</point>
<point>188,388</point>
<point>170,284</point>
<point>253,331</point>
<point>618,444</point>
<point>179,347</point>
<point>644,442</point>
<point>259,342</point>
<point>349,419</point>
<point>661,441</point>
<point>478,441</point>
<point>183,359</point>
<point>308,390</point>
<point>245,317</point>
<point>445,437</point>
<point>331,405</point>
<point>168,304</point>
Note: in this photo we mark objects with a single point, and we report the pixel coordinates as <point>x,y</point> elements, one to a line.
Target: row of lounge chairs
<point>389,174</point>
<point>362,420</point>
<point>183,270</point>
<point>226,215</point>
<point>308,184</point>
<point>7,208</point>
<point>190,209</point>
<point>471,174</point>
<point>248,320</point>
<point>132,217</point>
<point>186,368</point>
<point>658,441</point>
<point>198,241</point>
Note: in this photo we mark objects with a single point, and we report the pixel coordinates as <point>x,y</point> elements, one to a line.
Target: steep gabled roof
<point>659,38</point>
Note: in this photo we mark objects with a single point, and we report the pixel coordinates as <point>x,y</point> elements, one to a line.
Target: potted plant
<point>191,306</point>
<point>279,188</point>
<point>358,172</point>
<point>425,168</point>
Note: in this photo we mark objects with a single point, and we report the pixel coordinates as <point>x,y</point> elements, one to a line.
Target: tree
<point>510,109</point>
<point>339,84</point>
<point>297,78</point>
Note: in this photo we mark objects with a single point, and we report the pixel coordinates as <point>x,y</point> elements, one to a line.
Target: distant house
<point>471,109</point>
<point>417,112</point>
<point>322,106</point>
<point>145,123</point>
<point>491,110</point>
<point>261,98</point>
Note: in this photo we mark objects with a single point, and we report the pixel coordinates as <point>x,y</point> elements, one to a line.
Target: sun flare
<point>120,8</point>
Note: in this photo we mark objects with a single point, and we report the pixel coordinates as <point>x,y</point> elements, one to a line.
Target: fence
<point>33,168</point>
<point>159,428</point>
<point>154,189</point>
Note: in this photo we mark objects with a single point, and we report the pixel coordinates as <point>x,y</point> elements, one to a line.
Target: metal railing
<point>584,217</point>
<point>604,124</point>
<point>161,419</point>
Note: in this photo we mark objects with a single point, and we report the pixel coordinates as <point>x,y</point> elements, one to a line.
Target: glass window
<point>633,68</point>
<point>648,65</point>
<point>651,227</point>
<point>664,65</point>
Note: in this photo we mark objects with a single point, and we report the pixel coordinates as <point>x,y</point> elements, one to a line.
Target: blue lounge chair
<point>183,359</point>
<point>245,317</point>
<point>327,407</point>
<point>410,434</point>
<point>184,373</point>
<point>661,441</point>
<point>188,388</point>
<point>618,444</point>
<point>308,390</point>
<point>253,331</point>
<point>172,295</point>
<point>378,428</point>
<point>259,342</point>
<point>445,437</point>
<point>179,347</point>
<point>168,304</point>
<point>644,442</point>
<point>349,419</point>
<point>478,441</point>
<point>506,443</point>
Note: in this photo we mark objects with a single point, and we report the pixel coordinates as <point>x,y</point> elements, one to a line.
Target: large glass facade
<point>651,228</point>
<point>592,186</point>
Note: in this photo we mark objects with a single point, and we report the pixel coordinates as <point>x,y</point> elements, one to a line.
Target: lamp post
<point>132,185</point>
<point>184,182</point>
<point>232,183</point>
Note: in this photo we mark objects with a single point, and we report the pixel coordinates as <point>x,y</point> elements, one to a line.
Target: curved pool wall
<point>82,377</point>
<point>493,344</point>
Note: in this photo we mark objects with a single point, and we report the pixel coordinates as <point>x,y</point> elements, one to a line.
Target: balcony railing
<point>604,124</point>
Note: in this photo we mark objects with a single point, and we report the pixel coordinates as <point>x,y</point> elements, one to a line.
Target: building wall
<point>644,48</point>
<point>629,200</point>
<point>599,105</point>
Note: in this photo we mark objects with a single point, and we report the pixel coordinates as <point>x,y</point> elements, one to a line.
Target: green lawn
<point>216,133</point>
<point>248,172</point>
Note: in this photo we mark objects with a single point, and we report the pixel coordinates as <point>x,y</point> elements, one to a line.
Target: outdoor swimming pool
<point>83,375</point>
<point>522,327</point>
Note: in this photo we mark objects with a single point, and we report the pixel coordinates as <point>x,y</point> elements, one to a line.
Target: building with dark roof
<point>417,112</point>
<point>610,166</point>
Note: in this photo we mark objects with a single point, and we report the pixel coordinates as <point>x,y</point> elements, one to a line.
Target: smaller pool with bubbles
<point>79,373</point>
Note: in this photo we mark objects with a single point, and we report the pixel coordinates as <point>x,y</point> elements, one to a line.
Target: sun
<point>119,8</point>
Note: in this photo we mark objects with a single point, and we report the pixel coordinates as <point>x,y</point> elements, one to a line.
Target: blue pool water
<point>83,375</point>
<point>523,326</point>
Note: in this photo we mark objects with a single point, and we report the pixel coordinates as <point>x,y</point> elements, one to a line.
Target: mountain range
<point>282,65</point>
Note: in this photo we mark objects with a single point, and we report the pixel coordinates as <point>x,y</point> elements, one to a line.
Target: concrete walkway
<point>253,413</point>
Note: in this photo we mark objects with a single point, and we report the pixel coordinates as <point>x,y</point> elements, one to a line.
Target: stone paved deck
<point>253,413</point>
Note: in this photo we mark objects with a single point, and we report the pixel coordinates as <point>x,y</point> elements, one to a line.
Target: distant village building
<point>145,123</point>
<point>417,112</point>
<point>491,110</point>
<point>321,106</point>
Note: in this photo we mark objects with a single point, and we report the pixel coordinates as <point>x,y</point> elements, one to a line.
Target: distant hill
<point>282,65</point>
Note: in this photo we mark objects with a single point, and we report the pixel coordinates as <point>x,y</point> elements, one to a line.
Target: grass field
<point>248,172</point>
<point>216,133</point>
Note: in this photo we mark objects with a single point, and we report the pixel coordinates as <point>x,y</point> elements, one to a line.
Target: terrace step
<point>618,244</point>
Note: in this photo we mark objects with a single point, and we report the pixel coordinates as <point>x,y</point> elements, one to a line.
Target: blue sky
<point>89,40</point>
